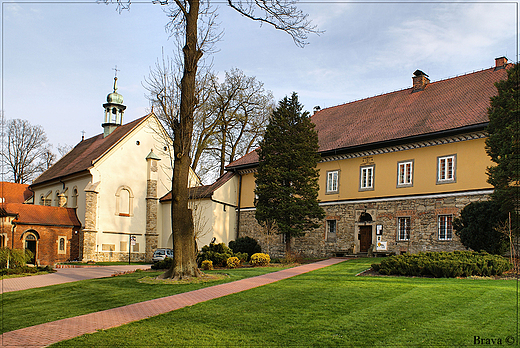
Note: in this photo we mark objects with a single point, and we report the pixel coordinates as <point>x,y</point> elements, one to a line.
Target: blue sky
<point>58,57</point>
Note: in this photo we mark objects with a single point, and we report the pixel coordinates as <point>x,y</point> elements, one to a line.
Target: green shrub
<point>444,264</point>
<point>260,259</point>
<point>16,257</point>
<point>164,264</point>
<point>217,253</point>
<point>207,265</point>
<point>243,257</point>
<point>233,262</point>
<point>25,269</point>
<point>246,245</point>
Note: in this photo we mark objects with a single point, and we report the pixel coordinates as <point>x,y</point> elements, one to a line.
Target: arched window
<point>75,197</point>
<point>124,201</point>
<point>62,244</point>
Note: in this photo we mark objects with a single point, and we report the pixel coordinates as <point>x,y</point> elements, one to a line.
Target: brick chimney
<point>420,80</point>
<point>500,63</point>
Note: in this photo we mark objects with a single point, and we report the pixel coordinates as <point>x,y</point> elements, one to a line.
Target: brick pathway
<point>64,275</point>
<point>45,334</point>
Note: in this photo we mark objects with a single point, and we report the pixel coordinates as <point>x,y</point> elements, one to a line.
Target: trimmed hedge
<point>25,270</point>
<point>444,264</point>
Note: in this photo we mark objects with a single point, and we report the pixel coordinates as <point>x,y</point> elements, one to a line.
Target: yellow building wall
<point>471,164</point>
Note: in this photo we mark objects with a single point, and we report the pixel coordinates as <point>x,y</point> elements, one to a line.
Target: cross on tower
<point>116,70</point>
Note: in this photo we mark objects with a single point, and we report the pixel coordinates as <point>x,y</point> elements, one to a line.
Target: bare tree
<point>25,150</point>
<point>186,18</point>
<point>64,149</point>
<point>242,107</point>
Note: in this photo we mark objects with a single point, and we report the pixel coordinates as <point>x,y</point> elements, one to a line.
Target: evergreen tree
<point>502,145</point>
<point>479,227</point>
<point>287,178</point>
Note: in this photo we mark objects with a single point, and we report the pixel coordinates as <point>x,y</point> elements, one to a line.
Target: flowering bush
<point>207,265</point>
<point>233,262</point>
<point>260,259</point>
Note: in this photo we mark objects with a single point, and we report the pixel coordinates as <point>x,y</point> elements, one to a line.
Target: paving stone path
<point>45,334</point>
<point>64,275</point>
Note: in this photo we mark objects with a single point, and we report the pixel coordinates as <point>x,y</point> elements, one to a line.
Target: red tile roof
<point>14,193</point>
<point>205,191</point>
<point>442,106</point>
<point>83,155</point>
<point>30,214</point>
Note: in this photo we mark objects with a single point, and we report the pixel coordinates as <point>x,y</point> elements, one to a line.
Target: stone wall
<point>119,256</point>
<point>423,213</point>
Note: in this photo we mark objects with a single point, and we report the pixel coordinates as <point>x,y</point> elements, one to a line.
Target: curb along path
<point>45,334</point>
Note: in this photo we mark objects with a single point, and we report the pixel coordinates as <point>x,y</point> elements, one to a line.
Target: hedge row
<point>444,264</point>
<point>25,269</point>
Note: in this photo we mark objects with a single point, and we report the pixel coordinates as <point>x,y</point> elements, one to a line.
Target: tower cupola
<point>114,110</point>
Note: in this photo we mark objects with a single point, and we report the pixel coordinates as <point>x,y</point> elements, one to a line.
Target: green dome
<point>114,97</point>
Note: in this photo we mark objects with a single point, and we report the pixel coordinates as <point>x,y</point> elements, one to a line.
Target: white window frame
<point>332,182</point>
<point>405,173</point>
<point>445,227</point>
<point>366,178</point>
<point>446,169</point>
<point>403,228</point>
<point>64,250</point>
<point>331,226</point>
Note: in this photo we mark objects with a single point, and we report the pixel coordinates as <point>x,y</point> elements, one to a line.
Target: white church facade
<point>115,180</point>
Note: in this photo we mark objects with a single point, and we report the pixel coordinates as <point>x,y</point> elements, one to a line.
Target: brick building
<point>51,233</point>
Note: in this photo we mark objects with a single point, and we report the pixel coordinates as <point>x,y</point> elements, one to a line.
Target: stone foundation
<point>423,213</point>
<point>119,256</point>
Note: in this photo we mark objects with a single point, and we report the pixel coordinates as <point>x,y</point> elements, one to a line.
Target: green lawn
<point>331,307</point>
<point>35,306</point>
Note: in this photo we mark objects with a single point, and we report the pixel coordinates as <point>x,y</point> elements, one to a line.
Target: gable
<point>85,153</point>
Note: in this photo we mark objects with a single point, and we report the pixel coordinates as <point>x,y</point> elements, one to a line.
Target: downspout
<point>239,203</point>
<point>12,232</point>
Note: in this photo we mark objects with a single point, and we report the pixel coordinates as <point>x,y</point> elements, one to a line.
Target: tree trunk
<point>288,251</point>
<point>184,259</point>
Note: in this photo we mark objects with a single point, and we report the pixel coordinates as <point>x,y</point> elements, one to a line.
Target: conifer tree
<point>287,178</point>
<point>503,145</point>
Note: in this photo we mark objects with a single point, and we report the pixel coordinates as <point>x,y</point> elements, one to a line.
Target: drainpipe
<point>239,200</point>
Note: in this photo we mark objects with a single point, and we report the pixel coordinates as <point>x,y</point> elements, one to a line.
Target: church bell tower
<point>114,110</point>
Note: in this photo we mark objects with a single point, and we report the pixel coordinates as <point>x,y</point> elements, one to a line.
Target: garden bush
<point>217,253</point>
<point>207,265</point>
<point>233,262</point>
<point>164,264</point>
<point>444,264</point>
<point>246,245</point>
<point>260,259</point>
<point>16,257</point>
